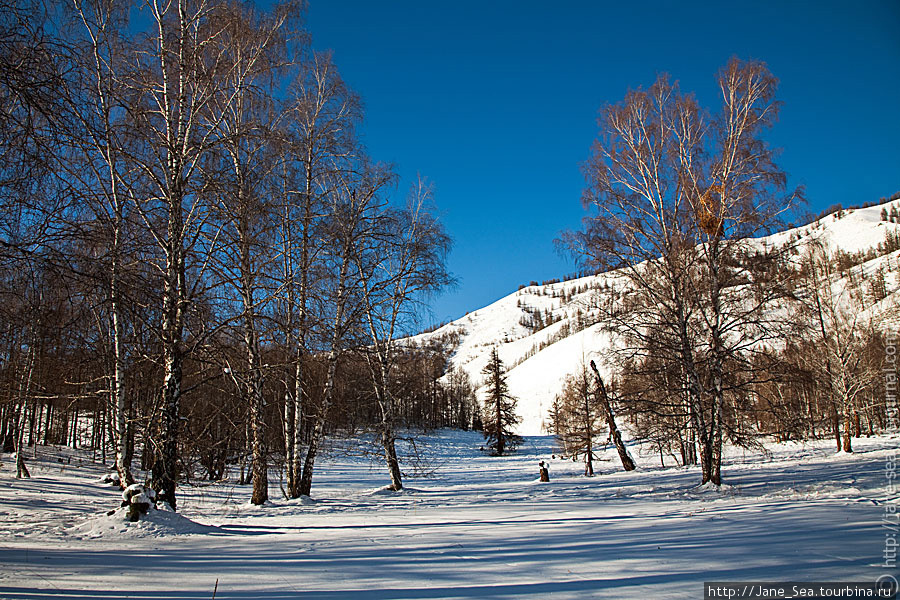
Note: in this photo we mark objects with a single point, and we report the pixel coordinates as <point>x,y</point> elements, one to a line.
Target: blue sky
<point>496,103</point>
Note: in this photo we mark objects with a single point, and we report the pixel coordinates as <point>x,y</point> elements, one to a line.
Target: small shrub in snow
<point>111,479</point>
<point>138,499</point>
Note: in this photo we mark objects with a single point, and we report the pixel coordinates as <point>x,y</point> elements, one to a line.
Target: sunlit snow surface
<point>475,527</point>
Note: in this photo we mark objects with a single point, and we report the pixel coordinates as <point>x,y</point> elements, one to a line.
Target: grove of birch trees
<point>200,263</point>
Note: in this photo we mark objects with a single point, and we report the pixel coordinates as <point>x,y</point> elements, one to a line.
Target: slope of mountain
<point>544,333</point>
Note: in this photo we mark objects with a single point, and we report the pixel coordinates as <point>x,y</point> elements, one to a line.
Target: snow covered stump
<point>544,471</point>
<point>111,479</point>
<point>138,499</point>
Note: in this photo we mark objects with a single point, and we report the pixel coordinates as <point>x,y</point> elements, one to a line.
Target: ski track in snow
<point>477,527</point>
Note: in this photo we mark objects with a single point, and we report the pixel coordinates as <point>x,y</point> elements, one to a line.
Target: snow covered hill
<point>543,333</point>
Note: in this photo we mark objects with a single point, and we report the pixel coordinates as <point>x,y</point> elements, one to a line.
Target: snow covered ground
<point>476,527</point>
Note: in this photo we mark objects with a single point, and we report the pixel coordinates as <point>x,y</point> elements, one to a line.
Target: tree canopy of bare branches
<point>674,195</point>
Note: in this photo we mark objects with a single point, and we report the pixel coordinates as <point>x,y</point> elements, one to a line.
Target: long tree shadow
<point>502,556</point>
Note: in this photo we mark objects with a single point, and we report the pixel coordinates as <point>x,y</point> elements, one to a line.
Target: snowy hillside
<point>540,356</point>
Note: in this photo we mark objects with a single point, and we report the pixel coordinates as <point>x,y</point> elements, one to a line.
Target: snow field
<point>476,527</point>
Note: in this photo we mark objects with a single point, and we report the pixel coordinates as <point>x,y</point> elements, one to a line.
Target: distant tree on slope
<point>499,409</point>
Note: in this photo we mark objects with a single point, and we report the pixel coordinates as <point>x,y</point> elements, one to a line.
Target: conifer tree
<point>577,418</point>
<point>578,412</point>
<point>499,409</point>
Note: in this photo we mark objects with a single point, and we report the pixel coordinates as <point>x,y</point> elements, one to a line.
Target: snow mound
<point>301,501</point>
<point>711,490</point>
<point>158,522</point>
<point>109,479</point>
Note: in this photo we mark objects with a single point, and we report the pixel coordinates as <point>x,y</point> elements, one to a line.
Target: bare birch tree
<point>836,319</point>
<point>177,105</point>
<point>254,47</point>
<point>400,262</point>
<point>101,179</point>
<point>352,200</point>
<point>738,195</point>
<point>676,195</point>
<point>320,118</point>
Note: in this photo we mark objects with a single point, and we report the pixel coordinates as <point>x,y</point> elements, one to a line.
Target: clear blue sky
<point>495,101</point>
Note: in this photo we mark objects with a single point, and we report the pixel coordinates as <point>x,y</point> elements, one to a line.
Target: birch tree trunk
<point>24,394</point>
<point>321,417</point>
<point>322,114</point>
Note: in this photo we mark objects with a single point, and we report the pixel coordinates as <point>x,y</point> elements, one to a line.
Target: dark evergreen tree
<point>499,409</point>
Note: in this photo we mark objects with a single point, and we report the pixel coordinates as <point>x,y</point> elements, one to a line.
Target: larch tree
<point>576,418</point>
<point>462,394</point>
